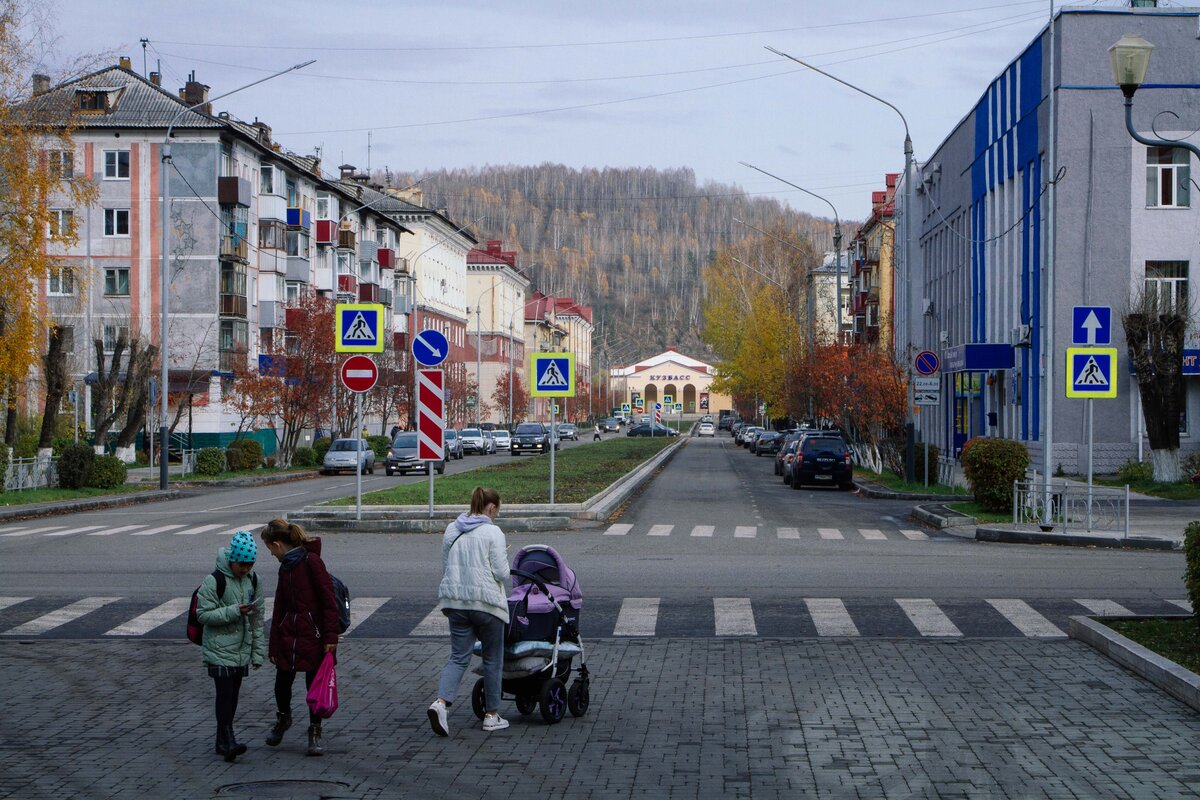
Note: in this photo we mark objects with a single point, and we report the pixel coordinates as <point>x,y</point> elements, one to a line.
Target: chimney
<point>156,78</point>
<point>347,172</point>
<point>264,132</point>
<point>195,93</point>
<point>125,63</point>
<point>41,83</point>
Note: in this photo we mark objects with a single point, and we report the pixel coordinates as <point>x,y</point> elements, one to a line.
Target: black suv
<point>824,458</point>
<point>530,437</point>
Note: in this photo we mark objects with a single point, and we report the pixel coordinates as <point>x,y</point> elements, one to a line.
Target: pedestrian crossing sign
<point>552,375</point>
<point>1091,372</point>
<point>359,328</point>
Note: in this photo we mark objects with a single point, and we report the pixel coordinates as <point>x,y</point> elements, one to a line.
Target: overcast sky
<point>648,83</point>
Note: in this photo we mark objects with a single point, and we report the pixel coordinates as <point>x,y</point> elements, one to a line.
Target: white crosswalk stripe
<point>434,624</point>
<point>871,533</point>
<point>194,531</point>
<point>1105,608</point>
<point>660,530</point>
<point>703,530</point>
<point>788,533</point>
<point>745,531</point>
<point>252,527</point>
<point>122,529</point>
<point>60,617</point>
<point>1025,619</point>
<point>361,608</point>
<point>154,618</point>
<point>619,529</point>
<point>73,531</point>
<point>916,536</point>
<point>31,531</point>
<point>830,533</point>
<point>155,531</point>
<point>1186,605</point>
<point>830,617</point>
<point>5,602</point>
<point>733,616</point>
<point>638,617</point>
<point>927,618</point>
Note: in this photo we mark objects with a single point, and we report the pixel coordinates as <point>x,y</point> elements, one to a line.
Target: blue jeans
<point>465,628</point>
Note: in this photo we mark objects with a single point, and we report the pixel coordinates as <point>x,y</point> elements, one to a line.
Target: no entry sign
<point>359,373</point>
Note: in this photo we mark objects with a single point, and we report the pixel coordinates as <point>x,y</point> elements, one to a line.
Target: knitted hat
<point>242,549</point>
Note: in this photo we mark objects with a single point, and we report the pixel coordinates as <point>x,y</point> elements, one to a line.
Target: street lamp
<point>1130,58</point>
<point>163,269</point>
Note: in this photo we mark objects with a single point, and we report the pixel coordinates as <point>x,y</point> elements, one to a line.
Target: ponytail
<point>278,530</point>
<point>481,498</point>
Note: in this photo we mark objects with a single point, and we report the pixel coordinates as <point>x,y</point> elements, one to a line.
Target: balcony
<point>368,293</point>
<point>326,231</point>
<point>270,314</point>
<point>385,296</point>
<point>860,302</point>
<point>233,191</point>
<point>234,248</point>
<point>233,305</point>
<point>347,240</point>
<point>298,269</point>
<point>347,284</point>
<point>294,319</point>
<point>387,258</point>
<point>299,218</point>
<point>871,255</point>
<point>272,206</point>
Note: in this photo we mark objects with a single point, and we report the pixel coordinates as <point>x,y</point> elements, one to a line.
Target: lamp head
<point>1130,58</point>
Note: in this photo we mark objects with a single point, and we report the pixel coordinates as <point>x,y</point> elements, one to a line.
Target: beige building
<point>672,374</point>
<point>496,290</point>
<point>559,324</point>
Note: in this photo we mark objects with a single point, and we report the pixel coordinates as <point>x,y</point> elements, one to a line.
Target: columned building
<point>685,380</point>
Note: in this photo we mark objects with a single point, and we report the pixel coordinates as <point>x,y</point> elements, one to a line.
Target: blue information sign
<point>429,347</point>
<point>1091,325</point>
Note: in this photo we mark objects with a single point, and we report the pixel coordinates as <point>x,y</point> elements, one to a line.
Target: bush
<point>1191,466</point>
<point>381,445</point>
<point>1191,555</point>
<point>919,463</point>
<point>320,448</point>
<point>75,466</point>
<point>108,472</point>
<point>991,465</point>
<point>26,446</point>
<point>60,444</point>
<point>244,454</point>
<point>304,457</point>
<point>210,461</point>
<point>1135,472</point>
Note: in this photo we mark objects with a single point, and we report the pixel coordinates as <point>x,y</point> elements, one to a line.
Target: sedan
<point>568,431</point>
<point>706,429</point>
<point>610,425</point>
<point>767,443</point>
<point>341,457</point>
<point>502,438</point>
<point>651,429</point>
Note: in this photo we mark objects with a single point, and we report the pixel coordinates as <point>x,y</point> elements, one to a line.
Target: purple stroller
<point>542,639</point>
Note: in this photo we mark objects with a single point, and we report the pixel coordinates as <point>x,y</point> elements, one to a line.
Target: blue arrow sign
<point>1091,325</point>
<point>429,347</point>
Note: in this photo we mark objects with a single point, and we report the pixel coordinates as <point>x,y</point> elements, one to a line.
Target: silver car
<point>502,439</point>
<point>341,457</point>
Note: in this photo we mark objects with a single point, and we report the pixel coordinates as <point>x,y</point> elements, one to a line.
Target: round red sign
<point>359,373</point>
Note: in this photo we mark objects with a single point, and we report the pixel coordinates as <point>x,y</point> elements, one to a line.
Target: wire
<point>1062,171</point>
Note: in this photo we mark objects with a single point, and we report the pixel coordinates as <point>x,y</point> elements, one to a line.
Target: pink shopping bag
<point>322,695</point>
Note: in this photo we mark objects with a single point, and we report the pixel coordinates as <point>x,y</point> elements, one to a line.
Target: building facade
<point>497,290</point>
<point>684,379</point>
<point>872,275</point>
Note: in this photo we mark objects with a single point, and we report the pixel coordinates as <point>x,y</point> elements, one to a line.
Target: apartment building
<point>496,290</point>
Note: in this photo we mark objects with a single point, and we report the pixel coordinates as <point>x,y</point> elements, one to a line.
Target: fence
<point>31,473</point>
<point>188,459</point>
<point>1072,506</point>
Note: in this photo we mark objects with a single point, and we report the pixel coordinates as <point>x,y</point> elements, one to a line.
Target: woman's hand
<point>331,648</point>
<point>246,609</point>
<point>272,659</point>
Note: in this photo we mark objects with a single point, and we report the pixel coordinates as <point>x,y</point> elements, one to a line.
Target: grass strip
<point>1179,490</point>
<point>30,496</point>
<point>896,483</point>
<point>981,514</point>
<point>196,477</point>
<point>579,474</point>
<point>1176,639</point>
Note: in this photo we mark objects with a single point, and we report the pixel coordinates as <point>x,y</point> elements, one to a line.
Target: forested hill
<point>629,242</point>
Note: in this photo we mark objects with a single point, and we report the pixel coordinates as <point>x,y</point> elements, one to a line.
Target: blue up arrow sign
<point>1091,325</point>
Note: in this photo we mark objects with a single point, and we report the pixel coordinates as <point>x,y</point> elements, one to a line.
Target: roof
<point>390,204</point>
<point>540,306</point>
<point>140,103</point>
<point>669,356</point>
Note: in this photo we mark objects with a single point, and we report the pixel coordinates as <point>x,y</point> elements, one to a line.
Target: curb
<point>1180,683</point>
<point>251,481</point>
<point>87,504</point>
<point>877,491</point>
<point>945,519</point>
<point>1013,536</point>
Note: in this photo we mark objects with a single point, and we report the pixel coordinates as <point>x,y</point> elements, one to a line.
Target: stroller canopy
<point>545,562</point>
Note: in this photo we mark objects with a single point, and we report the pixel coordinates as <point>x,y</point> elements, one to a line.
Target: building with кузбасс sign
<point>669,374</point>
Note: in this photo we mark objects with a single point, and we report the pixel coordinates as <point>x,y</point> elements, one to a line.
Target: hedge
<point>381,445</point>
<point>304,457</point>
<point>244,454</point>
<point>991,465</point>
<point>320,448</point>
<point>210,461</point>
<point>75,466</point>
<point>108,472</point>
<point>1191,554</point>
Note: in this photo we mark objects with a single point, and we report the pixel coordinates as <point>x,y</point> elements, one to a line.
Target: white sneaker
<point>494,722</point>
<point>437,718</point>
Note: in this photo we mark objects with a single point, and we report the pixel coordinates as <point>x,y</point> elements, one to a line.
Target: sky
<point>622,83</point>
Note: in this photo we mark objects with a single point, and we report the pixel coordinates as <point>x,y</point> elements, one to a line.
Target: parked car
<point>644,429</point>
<point>745,434</point>
<point>725,423</point>
<point>567,430</point>
<point>706,429</point>
<point>610,425</point>
<point>489,441</point>
<point>502,438</point>
<point>402,456</point>
<point>784,458</point>
<point>645,418</point>
<point>823,459</point>
<point>341,457</point>
<point>706,418</point>
<point>473,441</point>
<point>454,445</point>
<point>530,437</point>
<point>767,443</point>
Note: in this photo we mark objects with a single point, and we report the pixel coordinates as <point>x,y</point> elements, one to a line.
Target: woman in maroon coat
<point>304,623</point>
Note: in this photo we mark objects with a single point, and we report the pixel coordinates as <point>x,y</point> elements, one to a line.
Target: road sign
<point>626,408</point>
<point>1091,372</point>
<point>429,347</point>
<point>927,362</point>
<point>552,375</point>
<point>678,408</point>
<point>358,327</point>
<point>658,406</point>
<point>431,414</point>
<point>1091,325</point>
<point>556,410</point>
<point>359,373</point>
<point>657,414</point>
<point>668,400</point>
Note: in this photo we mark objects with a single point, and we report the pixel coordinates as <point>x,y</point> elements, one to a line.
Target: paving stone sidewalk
<point>677,718</point>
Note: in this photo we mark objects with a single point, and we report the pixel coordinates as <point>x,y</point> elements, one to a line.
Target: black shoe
<point>233,749</point>
<point>221,748</point>
<point>314,741</point>
<point>282,723</point>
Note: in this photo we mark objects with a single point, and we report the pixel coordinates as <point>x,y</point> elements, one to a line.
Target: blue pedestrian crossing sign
<point>626,408</point>
<point>430,347</point>
<point>1091,372</point>
<point>359,327</point>
<point>552,375</point>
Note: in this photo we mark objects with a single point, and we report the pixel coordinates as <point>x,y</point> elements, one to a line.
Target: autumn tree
<point>520,396</point>
<point>1155,328</point>
<point>137,392</point>
<point>54,375</point>
<point>392,395</point>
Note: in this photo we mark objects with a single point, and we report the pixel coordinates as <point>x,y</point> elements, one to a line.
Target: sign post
<point>927,391</point>
<point>359,374</point>
<point>552,375</point>
<point>431,421</point>
<point>1091,373</point>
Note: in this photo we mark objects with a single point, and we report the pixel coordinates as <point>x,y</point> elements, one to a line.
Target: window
<point>266,180</point>
<point>1168,177</point>
<point>382,237</point>
<point>93,101</point>
<point>62,282</point>
<point>116,281</point>
<point>272,235</point>
<point>297,243</point>
<point>1166,287</point>
<point>292,294</point>
<point>113,333</point>
<point>116,222</point>
<point>324,206</point>
<point>67,333</point>
<point>293,197</point>
<point>228,165</point>
<point>233,278</point>
<point>60,223</point>
<point>116,164</point>
<point>234,335</point>
<point>346,263</point>
<point>61,164</point>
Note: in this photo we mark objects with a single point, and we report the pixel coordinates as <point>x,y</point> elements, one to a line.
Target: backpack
<point>342,594</point>
<point>195,630</point>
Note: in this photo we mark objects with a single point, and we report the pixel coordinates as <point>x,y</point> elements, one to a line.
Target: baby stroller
<point>543,638</point>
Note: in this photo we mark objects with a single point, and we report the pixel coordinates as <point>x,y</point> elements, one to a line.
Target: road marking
<point>830,617</point>
<point>871,533</point>
<point>31,531</point>
<point>620,529</point>
<point>1025,619</point>
<point>11,531</point>
<point>231,531</point>
<point>154,618</point>
<point>703,530</point>
<point>638,617</point>
<point>72,531</point>
<point>733,616</point>
<point>745,532</point>
<point>161,529</point>
<point>916,536</point>
<point>361,608</point>
<point>788,533</point>
<point>1184,604</point>
<point>257,502</point>
<point>829,533</point>
<point>48,622</point>
<point>660,530</point>
<point>927,618</point>
<point>5,602</point>
<point>434,624</point>
<point>111,531</point>
<point>1105,608</point>
<point>194,531</point>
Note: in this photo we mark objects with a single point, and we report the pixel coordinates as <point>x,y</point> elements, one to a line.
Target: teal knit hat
<point>242,549</point>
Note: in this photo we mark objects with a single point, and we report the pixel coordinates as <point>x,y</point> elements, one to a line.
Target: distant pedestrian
<point>596,433</point>
<point>304,622</point>
<point>473,597</point>
<point>233,640</point>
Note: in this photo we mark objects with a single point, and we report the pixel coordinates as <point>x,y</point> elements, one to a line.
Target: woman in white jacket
<point>472,595</point>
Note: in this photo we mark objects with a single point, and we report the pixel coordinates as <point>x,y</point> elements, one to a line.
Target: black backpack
<point>343,599</point>
<point>195,631</point>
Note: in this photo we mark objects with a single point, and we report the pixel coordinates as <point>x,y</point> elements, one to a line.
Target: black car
<point>645,428</point>
<point>823,459</point>
<point>402,456</point>
<point>530,437</point>
<point>610,425</point>
<point>767,443</point>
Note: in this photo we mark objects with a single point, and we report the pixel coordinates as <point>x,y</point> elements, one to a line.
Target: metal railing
<point>1071,506</point>
<point>31,473</point>
<point>188,461</point>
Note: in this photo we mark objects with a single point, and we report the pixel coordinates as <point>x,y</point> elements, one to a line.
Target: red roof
<point>540,305</point>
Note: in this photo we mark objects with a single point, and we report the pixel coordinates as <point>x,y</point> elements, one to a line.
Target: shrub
<point>75,466</point>
<point>305,457</point>
<point>26,446</point>
<point>1191,555</point>
<point>1191,465</point>
<point>210,461</point>
<point>1135,472</point>
<point>108,472</point>
<point>60,444</point>
<point>381,445</point>
<point>321,447</point>
<point>991,465</point>
<point>919,463</point>
<point>244,454</point>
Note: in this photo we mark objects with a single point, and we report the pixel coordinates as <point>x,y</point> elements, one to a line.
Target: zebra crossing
<point>632,617</point>
<point>145,529</point>
<point>754,531</point>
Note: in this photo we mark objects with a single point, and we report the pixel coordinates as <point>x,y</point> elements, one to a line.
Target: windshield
<point>529,427</point>
<point>473,432</point>
<point>343,444</point>
<point>451,433</point>
<point>408,439</point>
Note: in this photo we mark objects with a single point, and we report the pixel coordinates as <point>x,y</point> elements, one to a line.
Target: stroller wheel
<point>477,699</point>
<point>553,700</point>
<point>526,703</point>
<point>577,698</point>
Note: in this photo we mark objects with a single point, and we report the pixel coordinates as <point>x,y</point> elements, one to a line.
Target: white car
<point>706,429</point>
<point>502,439</point>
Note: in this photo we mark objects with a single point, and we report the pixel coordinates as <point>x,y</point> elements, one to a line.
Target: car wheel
<point>388,472</point>
<point>795,481</point>
<point>441,468</point>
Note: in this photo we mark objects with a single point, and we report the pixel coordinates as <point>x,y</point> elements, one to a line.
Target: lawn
<point>1179,490</point>
<point>579,473</point>
<point>1176,639</point>
<point>972,509</point>
<point>898,484</point>
<point>196,477</point>
<point>52,495</point>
